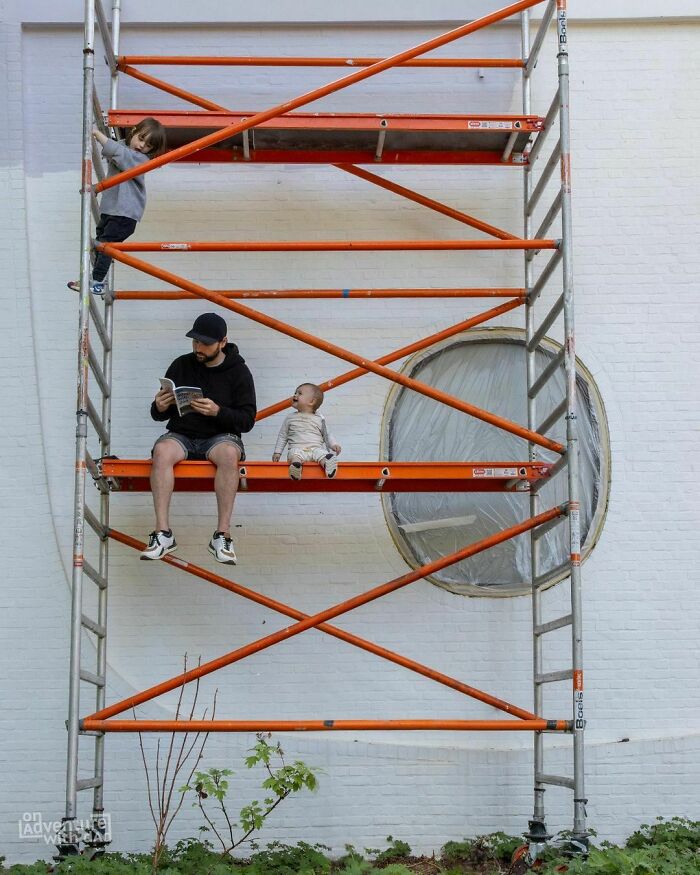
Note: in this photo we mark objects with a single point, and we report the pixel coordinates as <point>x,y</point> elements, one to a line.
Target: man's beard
<point>205,359</point>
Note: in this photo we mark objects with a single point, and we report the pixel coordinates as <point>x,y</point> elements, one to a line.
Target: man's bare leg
<point>226,457</point>
<point>166,454</point>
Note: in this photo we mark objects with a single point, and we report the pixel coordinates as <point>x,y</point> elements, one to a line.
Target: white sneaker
<point>159,545</point>
<point>296,470</point>
<point>330,465</point>
<point>221,548</point>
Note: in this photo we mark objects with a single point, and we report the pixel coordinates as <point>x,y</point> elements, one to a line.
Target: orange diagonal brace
<point>329,614</point>
<point>317,93</point>
<point>348,637</point>
<point>172,89</point>
<point>335,350</point>
<point>424,201</point>
<point>536,725</point>
<point>399,354</point>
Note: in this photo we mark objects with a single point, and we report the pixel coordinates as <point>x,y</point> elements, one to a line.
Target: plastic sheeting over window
<point>489,371</point>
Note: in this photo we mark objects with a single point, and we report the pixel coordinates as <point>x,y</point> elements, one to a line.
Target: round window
<point>487,368</point>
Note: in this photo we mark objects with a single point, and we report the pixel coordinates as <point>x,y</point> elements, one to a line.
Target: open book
<point>183,395</point>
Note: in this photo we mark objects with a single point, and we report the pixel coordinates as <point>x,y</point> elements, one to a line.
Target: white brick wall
<point>636,198</point>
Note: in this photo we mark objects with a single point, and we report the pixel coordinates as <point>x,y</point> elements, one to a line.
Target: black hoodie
<point>229,384</point>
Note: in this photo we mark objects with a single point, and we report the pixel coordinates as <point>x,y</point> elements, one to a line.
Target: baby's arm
<point>282,439</point>
<point>331,442</point>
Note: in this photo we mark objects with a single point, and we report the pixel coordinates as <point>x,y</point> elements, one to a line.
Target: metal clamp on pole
<point>379,485</point>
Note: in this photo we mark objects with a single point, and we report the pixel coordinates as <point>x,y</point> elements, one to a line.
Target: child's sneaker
<point>96,287</point>
<point>295,470</point>
<point>159,545</point>
<point>330,465</point>
<point>221,548</point>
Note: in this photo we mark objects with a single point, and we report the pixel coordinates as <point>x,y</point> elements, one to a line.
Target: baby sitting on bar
<point>307,435</point>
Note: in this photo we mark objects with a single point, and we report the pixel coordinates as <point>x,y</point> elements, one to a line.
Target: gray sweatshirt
<point>128,198</point>
<point>305,430</point>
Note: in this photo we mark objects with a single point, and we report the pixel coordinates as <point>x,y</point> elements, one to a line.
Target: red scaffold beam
<point>224,61</point>
<point>334,631</point>
<point>132,475</point>
<point>93,724</point>
<point>309,97</point>
<point>323,616</point>
<point>334,349</point>
<point>290,294</point>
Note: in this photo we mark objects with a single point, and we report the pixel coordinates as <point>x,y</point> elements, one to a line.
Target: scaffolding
<point>215,134</point>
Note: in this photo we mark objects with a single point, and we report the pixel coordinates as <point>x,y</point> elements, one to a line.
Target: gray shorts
<point>198,449</point>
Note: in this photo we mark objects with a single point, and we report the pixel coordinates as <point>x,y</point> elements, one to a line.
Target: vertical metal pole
<point>98,796</point>
<point>579,826</point>
<point>537,828</point>
<point>80,434</point>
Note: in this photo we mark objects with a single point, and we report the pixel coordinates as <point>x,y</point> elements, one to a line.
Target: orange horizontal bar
<point>133,476</point>
<point>226,61</point>
<point>284,294</point>
<point>331,121</point>
<point>325,245</point>
<point>92,724</point>
<point>334,631</point>
<point>329,614</point>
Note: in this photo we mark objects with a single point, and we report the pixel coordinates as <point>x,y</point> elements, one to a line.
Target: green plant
<point>280,859</point>
<point>397,848</point>
<point>678,832</point>
<point>212,787</point>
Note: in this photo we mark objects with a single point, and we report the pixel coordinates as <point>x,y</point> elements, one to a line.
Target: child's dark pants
<point>110,229</point>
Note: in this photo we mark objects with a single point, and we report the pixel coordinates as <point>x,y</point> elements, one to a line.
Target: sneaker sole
<point>164,553</point>
<point>222,561</point>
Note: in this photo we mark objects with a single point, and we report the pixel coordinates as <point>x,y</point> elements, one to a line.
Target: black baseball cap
<point>208,328</point>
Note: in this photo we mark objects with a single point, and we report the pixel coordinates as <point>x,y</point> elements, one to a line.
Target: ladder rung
<point>562,463</point>
<point>544,227</point>
<point>99,630</point>
<point>552,677</point>
<point>546,323</point>
<point>87,783</point>
<point>546,374</point>
<point>553,417</point>
<point>94,575</point>
<point>559,623</point>
<point>531,62</point>
<point>97,422</point>
<point>103,27</point>
<point>557,780</point>
<point>544,276</point>
<point>97,371</point>
<point>552,113</point>
<point>542,530</point>
<point>94,523</point>
<point>91,678</point>
<point>99,324</point>
<point>552,162</point>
